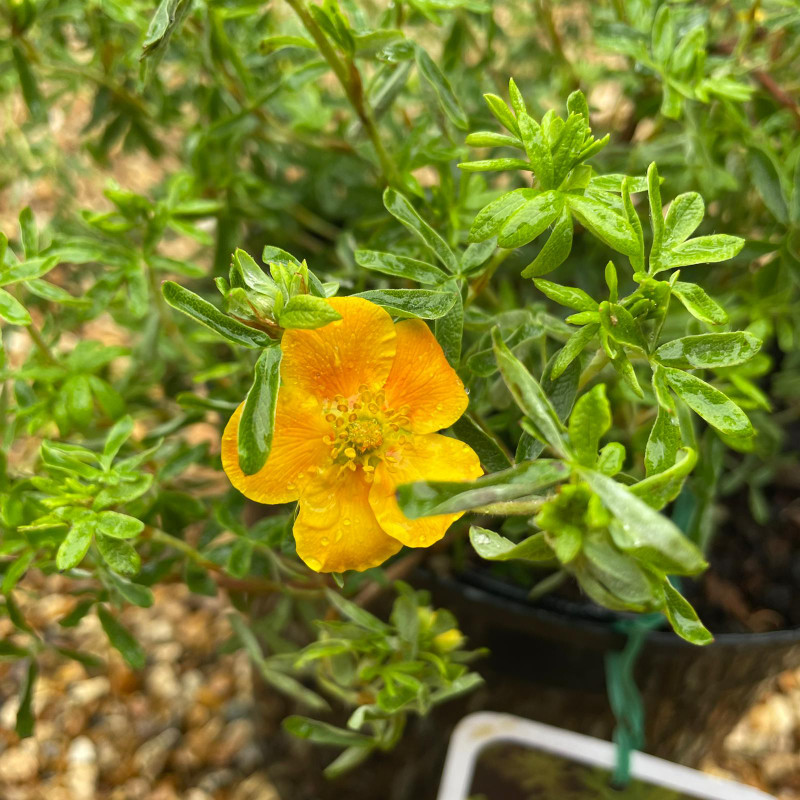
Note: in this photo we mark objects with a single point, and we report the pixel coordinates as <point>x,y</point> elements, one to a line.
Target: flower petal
<point>336,529</point>
<point>422,379</point>
<point>430,457</point>
<point>297,452</point>
<point>341,356</point>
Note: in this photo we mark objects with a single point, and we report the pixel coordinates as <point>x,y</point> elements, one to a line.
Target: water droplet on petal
<point>324,541</point>
<point>346,521</point>
<point>314,564</point>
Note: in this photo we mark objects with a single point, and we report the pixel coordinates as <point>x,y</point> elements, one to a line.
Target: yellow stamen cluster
<point>363,429</point>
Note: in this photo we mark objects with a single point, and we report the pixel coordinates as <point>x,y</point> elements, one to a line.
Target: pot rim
<point>595,620</point>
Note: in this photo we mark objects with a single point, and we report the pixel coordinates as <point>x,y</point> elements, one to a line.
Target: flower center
<point>362,428</point>
<point>365,434</point>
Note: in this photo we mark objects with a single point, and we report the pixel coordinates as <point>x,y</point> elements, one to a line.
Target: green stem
<point>482,281</point>
<point>348,76</point>
<point>40,343</point>
<point>252,585</point>
<point>598,362</point>
<point>545,14</point>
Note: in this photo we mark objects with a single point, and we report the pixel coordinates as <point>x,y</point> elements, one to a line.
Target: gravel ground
<point>182,728</point>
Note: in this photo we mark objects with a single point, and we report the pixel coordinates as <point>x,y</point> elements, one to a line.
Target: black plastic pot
<point>547,663</point>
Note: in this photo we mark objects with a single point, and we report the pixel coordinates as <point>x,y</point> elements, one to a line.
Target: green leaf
<point>663,35</point>
<point>121,638</point>
<point>611,458</point>
<point>683,617</point>
<point>116,437</point>
<point>356,614</point>
<point>685,214</point>
<point>78,399</point>
<point>323,733</point>
<point>25,717</point>
<point>567,149</point>
<point>118,526</point>
<point>492,546</point>
<point>15,571</point>
<point>257,423</point>
<point>589,421</point>
<point>621,326</point>
<point>577,104</point>
<point>12,310</point>
<point>568,296</point>
<point>28,233</point>
<point>449,329</point>
<point>210,316</point>
<point>348,760</point>
<point>448,101</point>
<point>618,573</point>
<point>768,183</point>
<point>573,347</point>
<point>493,164</point>
<point>167,17</point>
<point>644,532</point>
<point>612,281</point>
<point>532,218</point>
<point>491,139</point>
<point>709,350</point>
<point>663,443</point>
<point>605,223</point>
<point>502,112</point>
<point>701,250</point>
<point>119,555</point>
<point>637,260</point>
<point>132,592</point>
<point>492,455</point>
<point>529,395</point>
<point>711,404</point>
<point>699,304</point>
<point>31,93</point>
<point>75,546</point>
<point>54,294</point>
<point>240,558</point>
<point>412,303</point>
<point>491,218</point>
<point>402,210</point>
<point>430,498</point>
<point>517,101</point>
<point>305,311</point>
<point>400,266</point>
<point>663,487</point>
<point>538,149</point>
<point>656,217</point>
<point>555,249</point>
<point>129,489</point>
<point>272,44</point>
<point>80,610</point>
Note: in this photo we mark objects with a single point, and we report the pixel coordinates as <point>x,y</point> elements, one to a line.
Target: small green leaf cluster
<point>672,43</point>
<point>608,535</point>
<point>565,188</point>
<point>73,502</point>
<point>384,672</point>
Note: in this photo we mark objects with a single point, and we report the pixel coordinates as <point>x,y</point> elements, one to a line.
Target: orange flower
<point>359,403</point>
